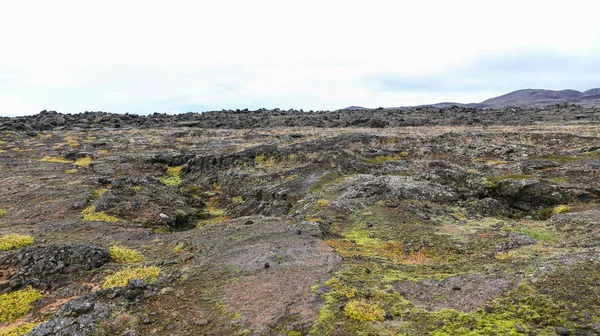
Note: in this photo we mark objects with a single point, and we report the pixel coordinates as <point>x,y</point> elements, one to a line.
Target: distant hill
<point>525,98</point>
<point>538,98</point>
<point>355,108</point>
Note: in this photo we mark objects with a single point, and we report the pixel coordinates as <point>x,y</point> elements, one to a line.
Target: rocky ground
<point>459,222</point>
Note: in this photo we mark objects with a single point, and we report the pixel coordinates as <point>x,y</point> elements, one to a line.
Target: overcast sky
<point>179,56</point>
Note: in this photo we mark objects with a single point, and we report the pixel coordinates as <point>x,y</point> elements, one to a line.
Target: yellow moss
<point>559,209</point>
<point>55,159</point>
<point>472,171</point>
<point>323,203</point>
<point>179,248</point>
<point>122,277</point>
<point>18,330</point>
<point>98,192</point>
<point>383,158</point>
<point>83,162</point>
<point>210,221</point>
<point>70,171</point>
<point>14,241</point>
<point>136,188</point>
<point>496,162</point>
<point>90,214</point>
<point>363,311</point>
<point>264,162</point>
<point>122,254</point>
<point>173,178</point>
<point>237,199</point>
<point>16,304</point>
<point>174,171</point>
<point>3,212</point>
<point>102,151</point>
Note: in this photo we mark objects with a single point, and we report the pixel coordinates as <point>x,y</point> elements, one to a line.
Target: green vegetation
<point>559,209</point>
<point>263,162</point>
<point>361,310</point>
<point>173,178</point>
<point>3,212</point>
<point>539,235</point>
<point>90,214</point>
<point>323,203</point>
<point>99,192</point>
<point>16,304</point>
<point>122,254</point>
<point>55,159</point>
<point>518,177</point>
<point>179,248</point>
<point>382,158</point>
<point>122,277</point>
<point>237,199</point>
<point>18,330</point>
<point>324,180</point>
<point>83,162</point>
<point>496,162</point>
<point>70,171</point>
<point>14,241</point>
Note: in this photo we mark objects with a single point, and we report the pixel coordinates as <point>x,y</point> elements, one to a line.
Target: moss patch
<point>18,330</point>
<point>173,178</point>
<point>122,254</point>
<point>90,214</point>
<point>122,277</point>
<point>14,241</point>
<point>17,304</point>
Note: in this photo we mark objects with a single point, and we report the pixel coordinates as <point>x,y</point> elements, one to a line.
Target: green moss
<point>70,171</point>
<point>173,178</point>
<point>539,235</point>
<point>559,209</point>
<point>364,311</point>
<point>90,214</point>
<point>322,203</point>
<point>330,178</point>
<point>99,192</point>
<point>14,241</point>
<point>263,162</point>
<point>558,158</point>
<point>18,330</point>
<point>525,307</point>
<point>55,159</point>
<point>16,304</point>
<point>83,162</point>
<point>3,212</point>
<point>509,176</point>
<point>382,158</point>
<point>179,248</point>
<point>122,254</point>
<point>122,277</point>
<point>237,200</point>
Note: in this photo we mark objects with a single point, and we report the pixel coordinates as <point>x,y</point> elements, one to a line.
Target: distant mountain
<point>524,98</point>
<point>539,98</point>
<point>355,108</point>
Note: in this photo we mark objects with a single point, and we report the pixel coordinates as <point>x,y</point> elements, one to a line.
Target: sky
<point>180,56</point>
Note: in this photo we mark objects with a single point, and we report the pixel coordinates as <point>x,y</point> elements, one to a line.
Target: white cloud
<point>145,56</point>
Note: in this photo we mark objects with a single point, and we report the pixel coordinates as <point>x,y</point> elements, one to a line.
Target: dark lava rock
<point>49,267</point>
<point>79,317</point>
<point>144,200</point>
